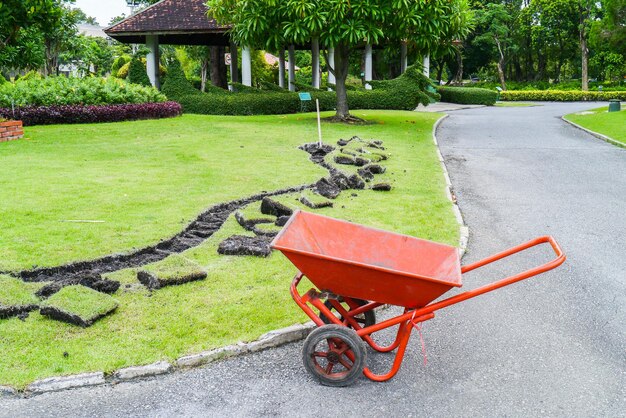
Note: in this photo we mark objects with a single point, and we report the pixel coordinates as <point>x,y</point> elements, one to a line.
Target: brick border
<point>11,130</point>
<point>268,340</point>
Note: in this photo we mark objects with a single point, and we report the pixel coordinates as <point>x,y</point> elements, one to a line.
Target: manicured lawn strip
<point>611,124</point>
<point>14,292</point>
<point>243,297</point>
<point>146,180</point>
<point>83,304</point>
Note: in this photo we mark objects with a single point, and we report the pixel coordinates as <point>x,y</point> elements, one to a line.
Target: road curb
<point>463,228</point>
<point>596,134</point>
<point>268,340</point>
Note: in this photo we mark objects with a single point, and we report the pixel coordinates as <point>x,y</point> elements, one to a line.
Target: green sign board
<point>305,97</point>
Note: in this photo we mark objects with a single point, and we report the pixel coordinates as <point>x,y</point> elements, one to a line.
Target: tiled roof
<point>169,16</point>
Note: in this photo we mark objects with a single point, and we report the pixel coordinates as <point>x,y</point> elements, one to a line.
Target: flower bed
<point>49,115</point>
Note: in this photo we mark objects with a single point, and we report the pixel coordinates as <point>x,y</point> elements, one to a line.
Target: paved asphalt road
<point>550,346</point>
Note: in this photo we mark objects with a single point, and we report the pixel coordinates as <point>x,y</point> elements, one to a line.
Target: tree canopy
<point>343,25</point>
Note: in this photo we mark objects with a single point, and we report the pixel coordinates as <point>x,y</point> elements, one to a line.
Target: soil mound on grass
<point>172,271</point>
<point>242,245</point>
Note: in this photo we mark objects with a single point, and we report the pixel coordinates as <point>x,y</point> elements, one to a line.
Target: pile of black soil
<point>153,282</point>
<point>317,153</point>
<point>63,316</point>
<point>242,245</point>
<point>19,311</point>
<point>273,207</point>
<point>93,281</point>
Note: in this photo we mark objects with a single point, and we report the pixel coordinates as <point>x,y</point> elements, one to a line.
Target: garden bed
<point>178,168</point>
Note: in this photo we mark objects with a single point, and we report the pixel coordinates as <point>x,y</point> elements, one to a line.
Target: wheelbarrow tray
<point>360,262</point>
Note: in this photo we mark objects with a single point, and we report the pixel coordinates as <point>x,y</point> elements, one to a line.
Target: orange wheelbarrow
<point>356,269</point>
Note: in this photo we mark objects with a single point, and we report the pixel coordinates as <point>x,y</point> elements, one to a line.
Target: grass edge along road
<point>243,297</point>
<point>601,121</point>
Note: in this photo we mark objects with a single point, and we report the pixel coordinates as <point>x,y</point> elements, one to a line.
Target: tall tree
<point>343,25</point>
<point>498,33</point>
<point>587,11</point>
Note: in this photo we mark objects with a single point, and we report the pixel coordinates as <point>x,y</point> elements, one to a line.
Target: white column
<point>246,66</point>
<point>292,68</point>
<point>281,68</point>
<point>368,66</point>
<point>427,65</point>
<point>403,57</point>
<point>234,66</point>
<point>315,65</point>
<point>152,43</point>
<point>331,64</point>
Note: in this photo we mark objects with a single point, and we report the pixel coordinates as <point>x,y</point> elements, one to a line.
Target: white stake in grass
<point>319,123</point>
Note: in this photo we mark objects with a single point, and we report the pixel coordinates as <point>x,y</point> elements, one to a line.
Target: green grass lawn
<point>146,180</point>
<point>601,121</point>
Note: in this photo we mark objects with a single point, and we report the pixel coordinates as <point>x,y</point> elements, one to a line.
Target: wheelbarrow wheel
<point>334,355</point>
<point>366,319</point>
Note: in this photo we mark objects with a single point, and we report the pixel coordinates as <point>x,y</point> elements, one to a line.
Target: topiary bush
<point>176,83</point>
<point>137,73</point>
<point>57,91</point>
<point>468,95</point>
<point>402,93</point>
<point>562,95</point>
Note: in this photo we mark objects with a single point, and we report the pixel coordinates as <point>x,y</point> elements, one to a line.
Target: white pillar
<point>331,64</point>
<point>246,66</point>
<point>427,65</point>
<point>368,66</point>
<point>292,68</point>
<point>403,57</point>
<point>281,68</point>
<point>315,56</point>
<point>152,43</point>
<point>234,66</point>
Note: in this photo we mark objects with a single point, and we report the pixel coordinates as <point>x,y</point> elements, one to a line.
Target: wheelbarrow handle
<point>533,243</point>
<point>560,259</point>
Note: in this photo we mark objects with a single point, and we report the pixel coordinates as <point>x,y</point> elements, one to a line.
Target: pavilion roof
<point>178,22</point>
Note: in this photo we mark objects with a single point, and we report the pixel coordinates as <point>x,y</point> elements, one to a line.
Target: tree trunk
<point>342,60</point>
<point>458,77</point>
<point>218,67</point>
<point>204,73</point>
<point>585,61</point>
<point>440,65</point>
<point>501,62</point>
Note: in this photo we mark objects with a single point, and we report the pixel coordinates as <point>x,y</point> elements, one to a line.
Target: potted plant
<point>10,130</point>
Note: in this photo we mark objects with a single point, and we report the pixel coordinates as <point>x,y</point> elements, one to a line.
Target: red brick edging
<point>11,130</point>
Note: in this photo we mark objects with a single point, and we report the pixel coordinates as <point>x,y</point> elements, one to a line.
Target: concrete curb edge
<point>596,134</point>
<point>463,228</point>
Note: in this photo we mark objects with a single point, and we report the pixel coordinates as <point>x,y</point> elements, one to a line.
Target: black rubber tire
<point>369,317</point>
<point>335,338</point>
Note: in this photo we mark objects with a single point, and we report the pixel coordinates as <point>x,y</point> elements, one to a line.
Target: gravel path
<point>550,346</point>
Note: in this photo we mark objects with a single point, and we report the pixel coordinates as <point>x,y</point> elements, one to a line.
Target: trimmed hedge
<point>58,91</point>
<point>49,115</point>
<point>402,93</point>
<point>562,95</point>
<point>468,95</point>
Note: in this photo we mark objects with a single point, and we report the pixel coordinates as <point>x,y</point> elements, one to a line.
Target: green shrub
<point>468,95</point>
<point>119,63</point>
<point>402,93</point>
<point>137,73</point>
<point>176,83</point>
<point>562,95</point>
<point>58,91</point>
